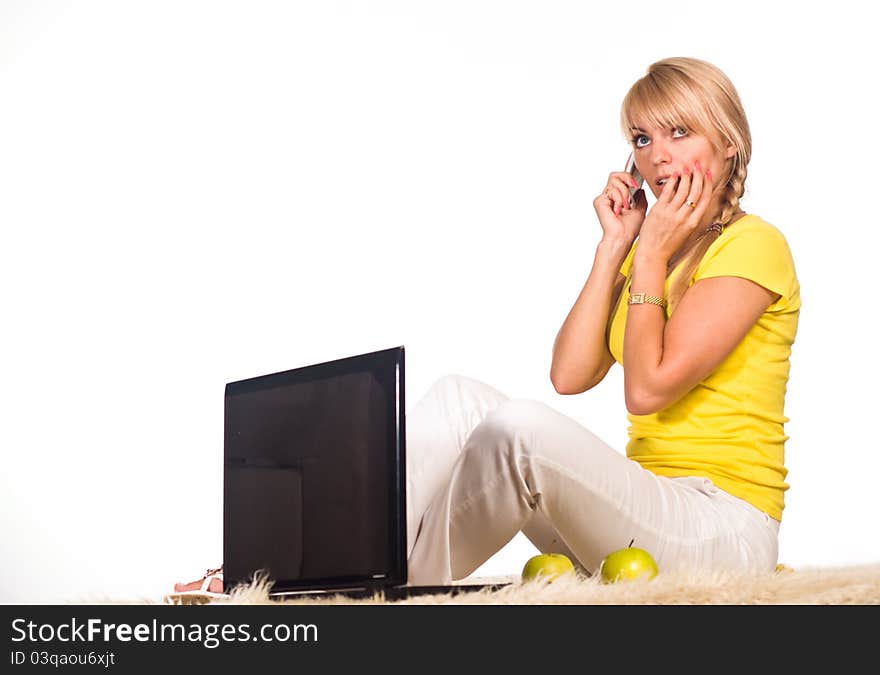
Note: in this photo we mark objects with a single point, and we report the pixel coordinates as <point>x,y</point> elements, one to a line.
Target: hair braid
<point>734,190</point>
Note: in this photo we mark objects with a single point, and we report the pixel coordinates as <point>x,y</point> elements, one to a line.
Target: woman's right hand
<point>619,221</point>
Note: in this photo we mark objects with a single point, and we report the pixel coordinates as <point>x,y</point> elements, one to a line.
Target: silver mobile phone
<point>634,172</point>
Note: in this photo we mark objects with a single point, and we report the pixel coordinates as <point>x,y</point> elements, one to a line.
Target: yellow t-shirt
<point>729,428</point>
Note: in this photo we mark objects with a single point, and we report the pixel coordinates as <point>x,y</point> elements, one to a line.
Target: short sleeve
<point>757,251</point>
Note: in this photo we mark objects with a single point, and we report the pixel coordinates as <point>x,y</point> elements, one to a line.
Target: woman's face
<point>661,152</point>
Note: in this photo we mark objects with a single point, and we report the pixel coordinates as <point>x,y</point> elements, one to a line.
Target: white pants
<point>481,467</point>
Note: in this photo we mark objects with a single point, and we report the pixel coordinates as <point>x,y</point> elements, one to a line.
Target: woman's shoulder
<point>753,229</point>
<point>751,222</point>
<point>753,248</point>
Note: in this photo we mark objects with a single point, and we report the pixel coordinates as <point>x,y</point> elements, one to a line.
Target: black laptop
<point>314,484</point>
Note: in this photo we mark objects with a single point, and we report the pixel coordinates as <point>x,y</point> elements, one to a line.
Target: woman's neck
<point>695,237</point>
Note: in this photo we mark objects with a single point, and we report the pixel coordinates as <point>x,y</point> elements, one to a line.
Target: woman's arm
<point>580,352</point>
<point>664,360</point>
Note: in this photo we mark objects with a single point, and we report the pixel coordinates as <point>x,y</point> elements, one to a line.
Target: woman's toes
<point>215,586</point>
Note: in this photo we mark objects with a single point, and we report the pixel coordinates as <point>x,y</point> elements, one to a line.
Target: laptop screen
<point>313,480</point>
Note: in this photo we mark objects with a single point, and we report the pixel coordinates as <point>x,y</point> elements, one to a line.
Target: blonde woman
<point>699,303</point>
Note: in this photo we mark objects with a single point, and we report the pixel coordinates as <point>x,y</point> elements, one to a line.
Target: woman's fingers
<point>682,191</point>
<point>707,185</point>
<point>617,190</point>
<point>620,197</point>
<point>603,202</point>
<point>630,185</point>
<point>607,199</point>
<point>625,178</point>
<point>701,193</point>
<point>694,192</point>
<point>622,182</point>
<point>669,188</point>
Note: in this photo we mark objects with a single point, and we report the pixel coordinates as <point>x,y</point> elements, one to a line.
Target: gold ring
<point>691,204</point>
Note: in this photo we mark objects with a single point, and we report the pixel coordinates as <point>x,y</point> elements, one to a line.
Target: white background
<point>197,192</point>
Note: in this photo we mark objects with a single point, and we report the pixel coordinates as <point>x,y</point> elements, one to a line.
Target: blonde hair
<point>695,95</point>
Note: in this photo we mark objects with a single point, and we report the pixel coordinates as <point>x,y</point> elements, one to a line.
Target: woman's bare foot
<point>215,585</point>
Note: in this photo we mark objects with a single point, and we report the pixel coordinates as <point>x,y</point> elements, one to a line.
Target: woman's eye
<point>678,132</point>
<point>637,141</point>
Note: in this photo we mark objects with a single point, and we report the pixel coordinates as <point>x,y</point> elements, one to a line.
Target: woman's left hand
<point>676,214</point>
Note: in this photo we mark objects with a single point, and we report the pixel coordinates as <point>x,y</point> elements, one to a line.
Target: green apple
<point>627,564</point>
<point>548,565</point>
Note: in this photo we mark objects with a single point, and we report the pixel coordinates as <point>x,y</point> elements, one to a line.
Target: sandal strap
<point>210,575</point>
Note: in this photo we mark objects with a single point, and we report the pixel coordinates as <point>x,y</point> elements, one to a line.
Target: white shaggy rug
<point>853,585</point>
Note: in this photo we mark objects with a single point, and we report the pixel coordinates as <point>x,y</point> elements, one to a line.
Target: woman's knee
<point>467,391</point>
<point>458,384</point>
<point>513,419</point>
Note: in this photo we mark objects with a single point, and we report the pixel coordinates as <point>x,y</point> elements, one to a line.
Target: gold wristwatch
<point>641,299</point>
